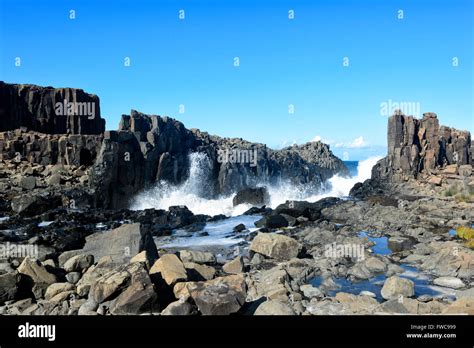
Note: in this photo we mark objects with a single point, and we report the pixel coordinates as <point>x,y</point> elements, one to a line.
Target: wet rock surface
<point>404,262</point>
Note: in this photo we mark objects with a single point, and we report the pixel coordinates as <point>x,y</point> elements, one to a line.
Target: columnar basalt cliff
<point>419,148</point>
<point>149,148</point>
<point>49,149</point>
<point>49,110</point>
<point>45,126</point>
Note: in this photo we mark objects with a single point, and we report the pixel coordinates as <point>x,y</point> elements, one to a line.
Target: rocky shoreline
<point>400,244</point>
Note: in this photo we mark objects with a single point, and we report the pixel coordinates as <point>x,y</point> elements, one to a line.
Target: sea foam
<point>192,193</point>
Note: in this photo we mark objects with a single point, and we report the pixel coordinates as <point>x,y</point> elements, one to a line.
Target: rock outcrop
<point>49,149</point>
<point>121,244</point>
<point>47,126</point>
<point>255,196</point>
<point>144,150</point>
<point>310,164</point>
<point>149,148</point>
<point>49,110</point>
<point>421,147</point>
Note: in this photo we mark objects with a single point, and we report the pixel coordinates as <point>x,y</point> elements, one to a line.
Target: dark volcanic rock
<point>367,188</point>
<point>239,228</point>
<point>35,108</point>
<point>165,144</point>
<point>150,148</point>
<point>113,166</point>
<point>45,149</point>
<point>9,286</point>
<point>421,147</point>
<point>258,211</point>
<point>119,170</point>
<point>179,216</point>
<point>312,211</point>
<point>256,196</point>
<point>272,221</point>
<point>35,204</point>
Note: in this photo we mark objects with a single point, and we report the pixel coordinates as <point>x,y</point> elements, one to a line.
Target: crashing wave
<point>194,191</point>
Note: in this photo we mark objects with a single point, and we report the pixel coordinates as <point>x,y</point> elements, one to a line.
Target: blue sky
<point>283,62</point>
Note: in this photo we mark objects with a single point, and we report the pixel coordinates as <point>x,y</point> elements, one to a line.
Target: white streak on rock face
<point>194,192</point>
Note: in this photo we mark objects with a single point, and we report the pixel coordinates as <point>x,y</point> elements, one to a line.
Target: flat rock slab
<point>275,246</point>
<point>449,282</point>
<point>121,244</point>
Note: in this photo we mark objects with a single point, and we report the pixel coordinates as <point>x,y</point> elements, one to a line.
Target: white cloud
<point>358,143</point>
<point>321,139</point>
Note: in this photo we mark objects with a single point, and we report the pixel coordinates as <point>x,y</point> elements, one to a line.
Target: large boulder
<point>37,275</point>
<point>274,307</point>
<point>235,266</point>
<point>357,304</point>
<point>109,285</point>
<point>140,295</point>
<point>272,221</point>
<point>255,196</point>
<point>128,287</point>
<point>375,265</point>
<point>198,272</point>
<point>178,308</point>
<point>170,268</point>
<point>121,244</point>
<point>397,244</point>
<point>78,263</point>
<point>395,286</point>
<point>220,296</point>
<point>312,211</point>
<point>275,246</point>
<point>57,288</point>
